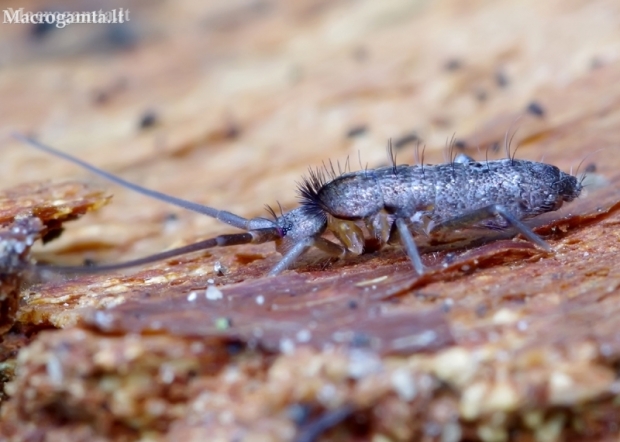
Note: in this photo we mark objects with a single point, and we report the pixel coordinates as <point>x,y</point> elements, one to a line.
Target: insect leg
<point>489,212</point>
<point>379,226</point>
<point>409,244</point>
<point>254,237</point>
<point>348,233</point>
<point>302,247</point>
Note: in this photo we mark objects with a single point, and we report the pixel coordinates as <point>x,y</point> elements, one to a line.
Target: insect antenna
<point>255,236</point>
<point>221,215</point>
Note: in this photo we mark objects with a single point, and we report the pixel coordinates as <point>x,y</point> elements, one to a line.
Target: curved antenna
<point>256,237</point>
<point>221,215</point>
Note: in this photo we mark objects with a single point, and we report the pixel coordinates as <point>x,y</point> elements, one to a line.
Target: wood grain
<point>228,104</point>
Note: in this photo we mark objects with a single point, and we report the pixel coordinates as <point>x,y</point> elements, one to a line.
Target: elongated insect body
<point>443,192</point>
<point>435,199</point>
<point>395,203</point>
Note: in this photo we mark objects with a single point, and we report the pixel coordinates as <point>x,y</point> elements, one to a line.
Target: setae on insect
<point>395,203</point>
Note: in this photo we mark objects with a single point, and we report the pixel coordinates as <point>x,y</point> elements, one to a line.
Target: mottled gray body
<point>395,202</point>
<point>445,191</point>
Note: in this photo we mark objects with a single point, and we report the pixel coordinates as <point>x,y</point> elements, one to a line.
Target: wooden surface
<point>497,342</point>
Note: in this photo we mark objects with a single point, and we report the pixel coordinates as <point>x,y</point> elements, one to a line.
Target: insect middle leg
<point>484,213</point>
<point>407,240</point>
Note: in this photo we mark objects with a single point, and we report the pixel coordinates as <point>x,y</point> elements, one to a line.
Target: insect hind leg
<point>487,212</point>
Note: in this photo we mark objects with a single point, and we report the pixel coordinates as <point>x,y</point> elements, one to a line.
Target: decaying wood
<point>497,342</point>
<point>28,213</point>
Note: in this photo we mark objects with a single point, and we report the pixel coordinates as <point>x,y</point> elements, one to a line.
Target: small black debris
<point>148,119</point>
<point>481,95</point>
<point>360,340</point>
<point>536,108</point>
<point>409,138</point>
<point>233,348</point>
<point>501,79</point>
<point>596,63</point>
<point>454,64</point>
<point>360,54</point>
<point>460,144</point>
<point>590,168</point>
<point>357,131</point>
<point>41,30</point>
<point>171,217</point>
<point>233,130</point>
<point>482,310</point>
<point>121,36</point>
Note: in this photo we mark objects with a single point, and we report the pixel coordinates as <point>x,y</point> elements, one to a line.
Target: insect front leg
<point>348,233</point>
<point>301,247</point>
<point>488,212</point>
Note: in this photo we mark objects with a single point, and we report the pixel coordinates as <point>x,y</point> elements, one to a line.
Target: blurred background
<point>229,102</point>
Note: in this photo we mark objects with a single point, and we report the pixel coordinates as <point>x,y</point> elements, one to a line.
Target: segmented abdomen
<point>443,191</point>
